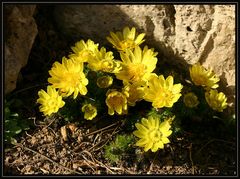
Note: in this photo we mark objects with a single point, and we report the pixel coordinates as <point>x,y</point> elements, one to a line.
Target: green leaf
<point>16,129</point>
<point>13,141</point>
<point>14,115</point>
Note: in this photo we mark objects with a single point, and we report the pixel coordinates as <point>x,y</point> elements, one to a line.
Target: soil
<point>46,150</point>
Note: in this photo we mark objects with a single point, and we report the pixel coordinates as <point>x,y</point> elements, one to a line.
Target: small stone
<point>75,165</point>
<point>33,140</point>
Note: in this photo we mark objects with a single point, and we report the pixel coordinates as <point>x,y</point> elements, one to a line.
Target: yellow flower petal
<point>161,92</point>
<point>134,68</point>
<point>140,127</point>
<point>217,101</point>
<point>148,146</point>
<point>116,101</point>
<point>203,77</point>
<point>50,101</point>
<point>127,39</point>
<point>165,140</point>
<point>153,134</point>
<point>139,134</point>
<point>90,111</point>
<point>71,79</point>
<point>141,142</point>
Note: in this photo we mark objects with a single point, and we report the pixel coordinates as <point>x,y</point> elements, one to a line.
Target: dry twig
<point>102,129</point>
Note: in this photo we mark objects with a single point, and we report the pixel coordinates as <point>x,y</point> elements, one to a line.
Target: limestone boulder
<point>206,34</point>
<point>20,32</point>
<point>183,34</point>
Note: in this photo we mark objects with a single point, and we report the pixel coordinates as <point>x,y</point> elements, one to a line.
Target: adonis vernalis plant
<point>132,79</point>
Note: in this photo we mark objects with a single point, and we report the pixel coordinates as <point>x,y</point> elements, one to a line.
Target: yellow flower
<point>104,61</point>
<point>84,51</point>
<point>90,111</point>
<point>116,101</point>
<point>134,93</point>
<point>161,92</point>
<point>128,39</point>
<point>104,81</point>
<point>153,134</point>
<point>190,100</point>
<point>68,77</point>
<point>50,101</point>
<point>137,65</point>
<point>203,77</point>
<point>217,101</point>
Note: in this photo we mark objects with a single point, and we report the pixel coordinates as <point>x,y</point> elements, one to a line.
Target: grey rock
<point>20,32</point>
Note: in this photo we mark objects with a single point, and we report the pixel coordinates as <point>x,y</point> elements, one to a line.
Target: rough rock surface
<point>20,32</point>
<point>182,33</point>
<point>206,34</point>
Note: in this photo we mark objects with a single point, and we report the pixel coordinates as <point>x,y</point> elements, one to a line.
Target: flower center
<point>200,80</point>
<point>71,79</point>
<point>128,43</point>
<point>165,95</point>
<point>155,135</point>
<point>85,53</point>
<point>89,110</point>
<point>136,71</point>
<point>104,82</point>
<point>116,100</point>
<point>52,103</point>
<point>190,101</point>
<point>107,65</point>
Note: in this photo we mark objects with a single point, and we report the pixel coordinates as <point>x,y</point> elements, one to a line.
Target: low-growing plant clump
<point>126,84</point>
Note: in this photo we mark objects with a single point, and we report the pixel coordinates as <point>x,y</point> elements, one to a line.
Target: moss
<point>119,147</point>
